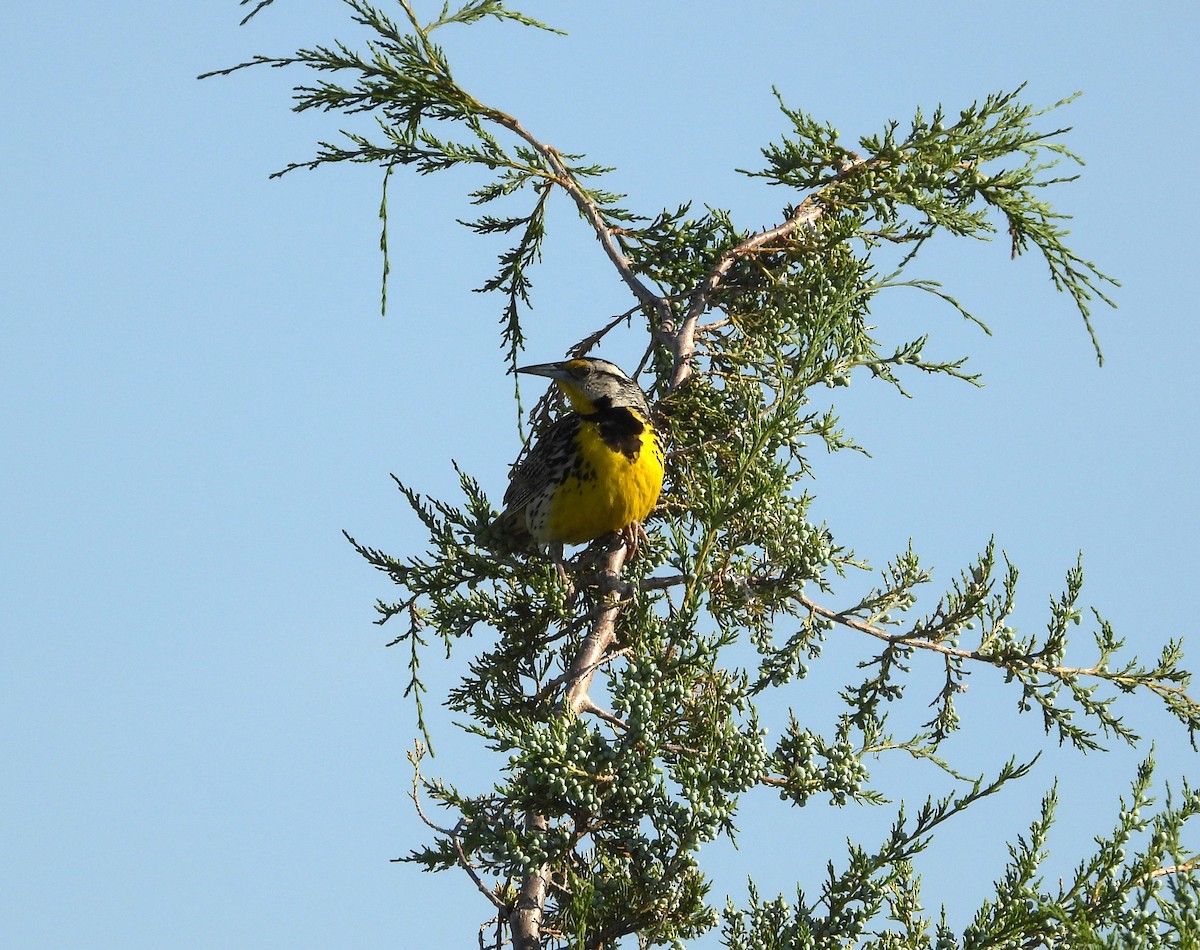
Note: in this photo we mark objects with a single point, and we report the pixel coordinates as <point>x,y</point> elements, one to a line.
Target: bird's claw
<point>631,536</point>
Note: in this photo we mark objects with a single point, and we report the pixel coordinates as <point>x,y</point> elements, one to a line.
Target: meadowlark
<point>595,470</point>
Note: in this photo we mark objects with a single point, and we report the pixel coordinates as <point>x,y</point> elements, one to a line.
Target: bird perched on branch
<point>595,470</point>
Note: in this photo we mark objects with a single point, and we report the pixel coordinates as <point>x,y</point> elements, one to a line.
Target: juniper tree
<point>627,722</point>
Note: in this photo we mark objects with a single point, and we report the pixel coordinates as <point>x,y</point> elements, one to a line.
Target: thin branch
<point>551,686</point>
<point>715,325</point>
<point>589,706</point>
<point>646,354</point>
<point>415,757</point>
<point>806,212</point>
<point>1004,663</point>
<point>583,346</point>
<point>661,583</point>
<point>596,644</point>
<point>1187,867</point>
<point>588,208</point>
<point>467,866</point>
<point>451,834</point>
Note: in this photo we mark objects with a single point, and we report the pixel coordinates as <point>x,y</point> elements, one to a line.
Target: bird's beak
<point>551,370</point>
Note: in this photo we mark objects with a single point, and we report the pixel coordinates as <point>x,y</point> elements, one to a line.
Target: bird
<point>594,470</point>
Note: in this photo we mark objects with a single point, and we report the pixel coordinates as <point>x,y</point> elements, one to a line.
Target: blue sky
<point>203,734</point>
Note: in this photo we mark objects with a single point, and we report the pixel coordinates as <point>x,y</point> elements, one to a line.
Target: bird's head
<point>592,384</point>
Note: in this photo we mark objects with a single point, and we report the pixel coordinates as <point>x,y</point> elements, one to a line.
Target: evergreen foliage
<point>608,789</point>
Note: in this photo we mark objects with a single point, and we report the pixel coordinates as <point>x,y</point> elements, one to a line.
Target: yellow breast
<point>606,490</point>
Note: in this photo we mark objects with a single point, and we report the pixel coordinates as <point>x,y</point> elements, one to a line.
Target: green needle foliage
<point>627,726</point>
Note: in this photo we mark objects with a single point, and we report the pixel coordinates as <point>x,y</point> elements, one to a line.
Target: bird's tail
<point>509,533</point>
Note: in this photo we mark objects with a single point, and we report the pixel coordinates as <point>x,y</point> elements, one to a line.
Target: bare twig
<point>470,869</point>
<point>1188,866</point>
<point>583,346</point>
<point>808,211</point>
<point>589,706</point>
<point>662,583</point>
<point>646,354</point>
<point>715,325</point>
<point>414,759</point>
<point>553,684</point>
<point>452,834</point>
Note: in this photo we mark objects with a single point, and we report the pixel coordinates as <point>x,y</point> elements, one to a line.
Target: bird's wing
<point>534,468</point>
